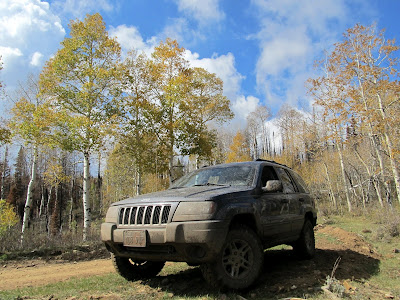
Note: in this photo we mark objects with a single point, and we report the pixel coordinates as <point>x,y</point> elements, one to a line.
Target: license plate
<point>135,238</point>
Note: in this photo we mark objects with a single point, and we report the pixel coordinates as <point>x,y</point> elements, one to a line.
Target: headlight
<point>112,214</point>
<point>194,211</point>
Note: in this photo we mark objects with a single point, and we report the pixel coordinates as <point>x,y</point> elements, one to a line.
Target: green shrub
<point>389,225</point>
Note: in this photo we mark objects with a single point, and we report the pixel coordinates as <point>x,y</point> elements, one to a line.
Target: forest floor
<point>284,275</point>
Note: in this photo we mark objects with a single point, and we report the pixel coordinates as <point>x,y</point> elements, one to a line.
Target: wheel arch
<point>310,216</point>
<point>246,219</point>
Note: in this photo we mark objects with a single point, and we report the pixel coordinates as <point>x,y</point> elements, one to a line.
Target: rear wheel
<point>133,270</point>
<point>305,245</point>
<point>239,263</point>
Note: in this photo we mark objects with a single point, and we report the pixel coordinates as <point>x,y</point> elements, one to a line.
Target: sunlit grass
<point>72,288</point>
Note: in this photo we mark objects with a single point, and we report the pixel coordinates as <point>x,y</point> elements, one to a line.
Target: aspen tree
<point>81,79</point>
<point>185,100</point>
<point>365,67</point>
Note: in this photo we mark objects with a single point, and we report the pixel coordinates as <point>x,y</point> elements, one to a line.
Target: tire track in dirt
<point>37,273</point>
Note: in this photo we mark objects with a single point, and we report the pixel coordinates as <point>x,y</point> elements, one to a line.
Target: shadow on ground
<point>284,275</point>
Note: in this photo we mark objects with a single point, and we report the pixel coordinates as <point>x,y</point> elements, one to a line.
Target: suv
<point>220,217</point>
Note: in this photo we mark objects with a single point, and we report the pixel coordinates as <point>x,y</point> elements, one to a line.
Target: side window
<point>300,182</point>
<point>288,186</point>
<point>268,173</point>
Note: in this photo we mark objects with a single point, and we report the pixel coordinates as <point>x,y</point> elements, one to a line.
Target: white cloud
<point>79,8</point>
<point>224,67</point>
<point>245,105</point>
<point>28,29</point>
<point>179,29</point>
<point>293,35</point>
<point>203,11</point>
<point>130,38</point>
<point>198,18</point>
<point>8,54</point>
<point>284,52</point>
<point>36,59</point>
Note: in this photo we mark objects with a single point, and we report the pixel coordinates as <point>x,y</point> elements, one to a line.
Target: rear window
<point>301,185</point>
<point>288,185</point>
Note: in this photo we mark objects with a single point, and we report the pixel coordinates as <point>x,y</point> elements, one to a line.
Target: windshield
<point>224,176</point>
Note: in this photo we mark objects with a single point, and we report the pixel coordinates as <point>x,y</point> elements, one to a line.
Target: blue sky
<point>263,50</point>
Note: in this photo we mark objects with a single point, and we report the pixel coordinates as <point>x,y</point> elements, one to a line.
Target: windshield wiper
<point>208,184</point>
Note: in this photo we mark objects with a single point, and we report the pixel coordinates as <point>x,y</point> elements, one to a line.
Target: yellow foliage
<point>239,149</point>
<point>155,182</point>
<point>8,216</point>
<point>32,121</point>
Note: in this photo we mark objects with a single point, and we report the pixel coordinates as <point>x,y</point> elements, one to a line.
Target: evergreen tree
<point>21,178</point>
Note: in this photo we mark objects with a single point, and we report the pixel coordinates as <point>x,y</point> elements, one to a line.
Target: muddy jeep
<point>220,217</point>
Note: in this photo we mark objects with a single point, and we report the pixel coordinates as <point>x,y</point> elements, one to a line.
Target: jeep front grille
<point>144,215</point>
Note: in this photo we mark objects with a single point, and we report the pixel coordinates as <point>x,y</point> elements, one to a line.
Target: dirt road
<point>37,272</point>
<point>331,243</point>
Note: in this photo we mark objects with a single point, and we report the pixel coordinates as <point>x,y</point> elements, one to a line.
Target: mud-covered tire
<point>134,270</point>
<point>304,247</point>
<point>239,263</point>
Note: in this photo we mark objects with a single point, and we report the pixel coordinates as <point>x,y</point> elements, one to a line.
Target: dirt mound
<point>336,238</point>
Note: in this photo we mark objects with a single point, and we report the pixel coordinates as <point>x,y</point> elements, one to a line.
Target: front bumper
<point>193,242</point>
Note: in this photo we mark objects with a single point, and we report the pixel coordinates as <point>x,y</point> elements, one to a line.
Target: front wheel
<point>133,270</point>
<point>239,263</point>
<point>305,245</point>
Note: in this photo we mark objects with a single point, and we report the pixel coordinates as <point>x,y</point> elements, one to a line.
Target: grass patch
<point>72,288</point>
<point>329,238</point>
<point>280,247</point>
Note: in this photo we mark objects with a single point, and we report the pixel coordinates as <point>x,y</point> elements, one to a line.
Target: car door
<point>274,208</point>
<point>291,201</point>
<point>303,200</point>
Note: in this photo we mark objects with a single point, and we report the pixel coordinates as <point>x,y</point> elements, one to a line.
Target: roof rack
<point>271,161</point>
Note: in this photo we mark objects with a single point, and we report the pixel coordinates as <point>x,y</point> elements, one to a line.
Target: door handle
<point>284,201</point>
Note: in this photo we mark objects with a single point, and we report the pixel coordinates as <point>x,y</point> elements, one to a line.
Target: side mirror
<point>273,186</point>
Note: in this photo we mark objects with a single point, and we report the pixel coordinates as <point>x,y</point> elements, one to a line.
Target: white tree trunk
<point>86,204</point>
<point>374,144</point>
<point>374,182</point>
<point>138,182</point>
<point>28,202</point>
<point>344,177</point>
<point>171,166</point>
<point>393,164</point>
<point>332,194</point>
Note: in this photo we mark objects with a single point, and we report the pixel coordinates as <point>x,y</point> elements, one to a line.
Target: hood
<point>194,193</point>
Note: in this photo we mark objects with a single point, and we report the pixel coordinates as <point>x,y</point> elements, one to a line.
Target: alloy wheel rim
<point>238,259</point>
